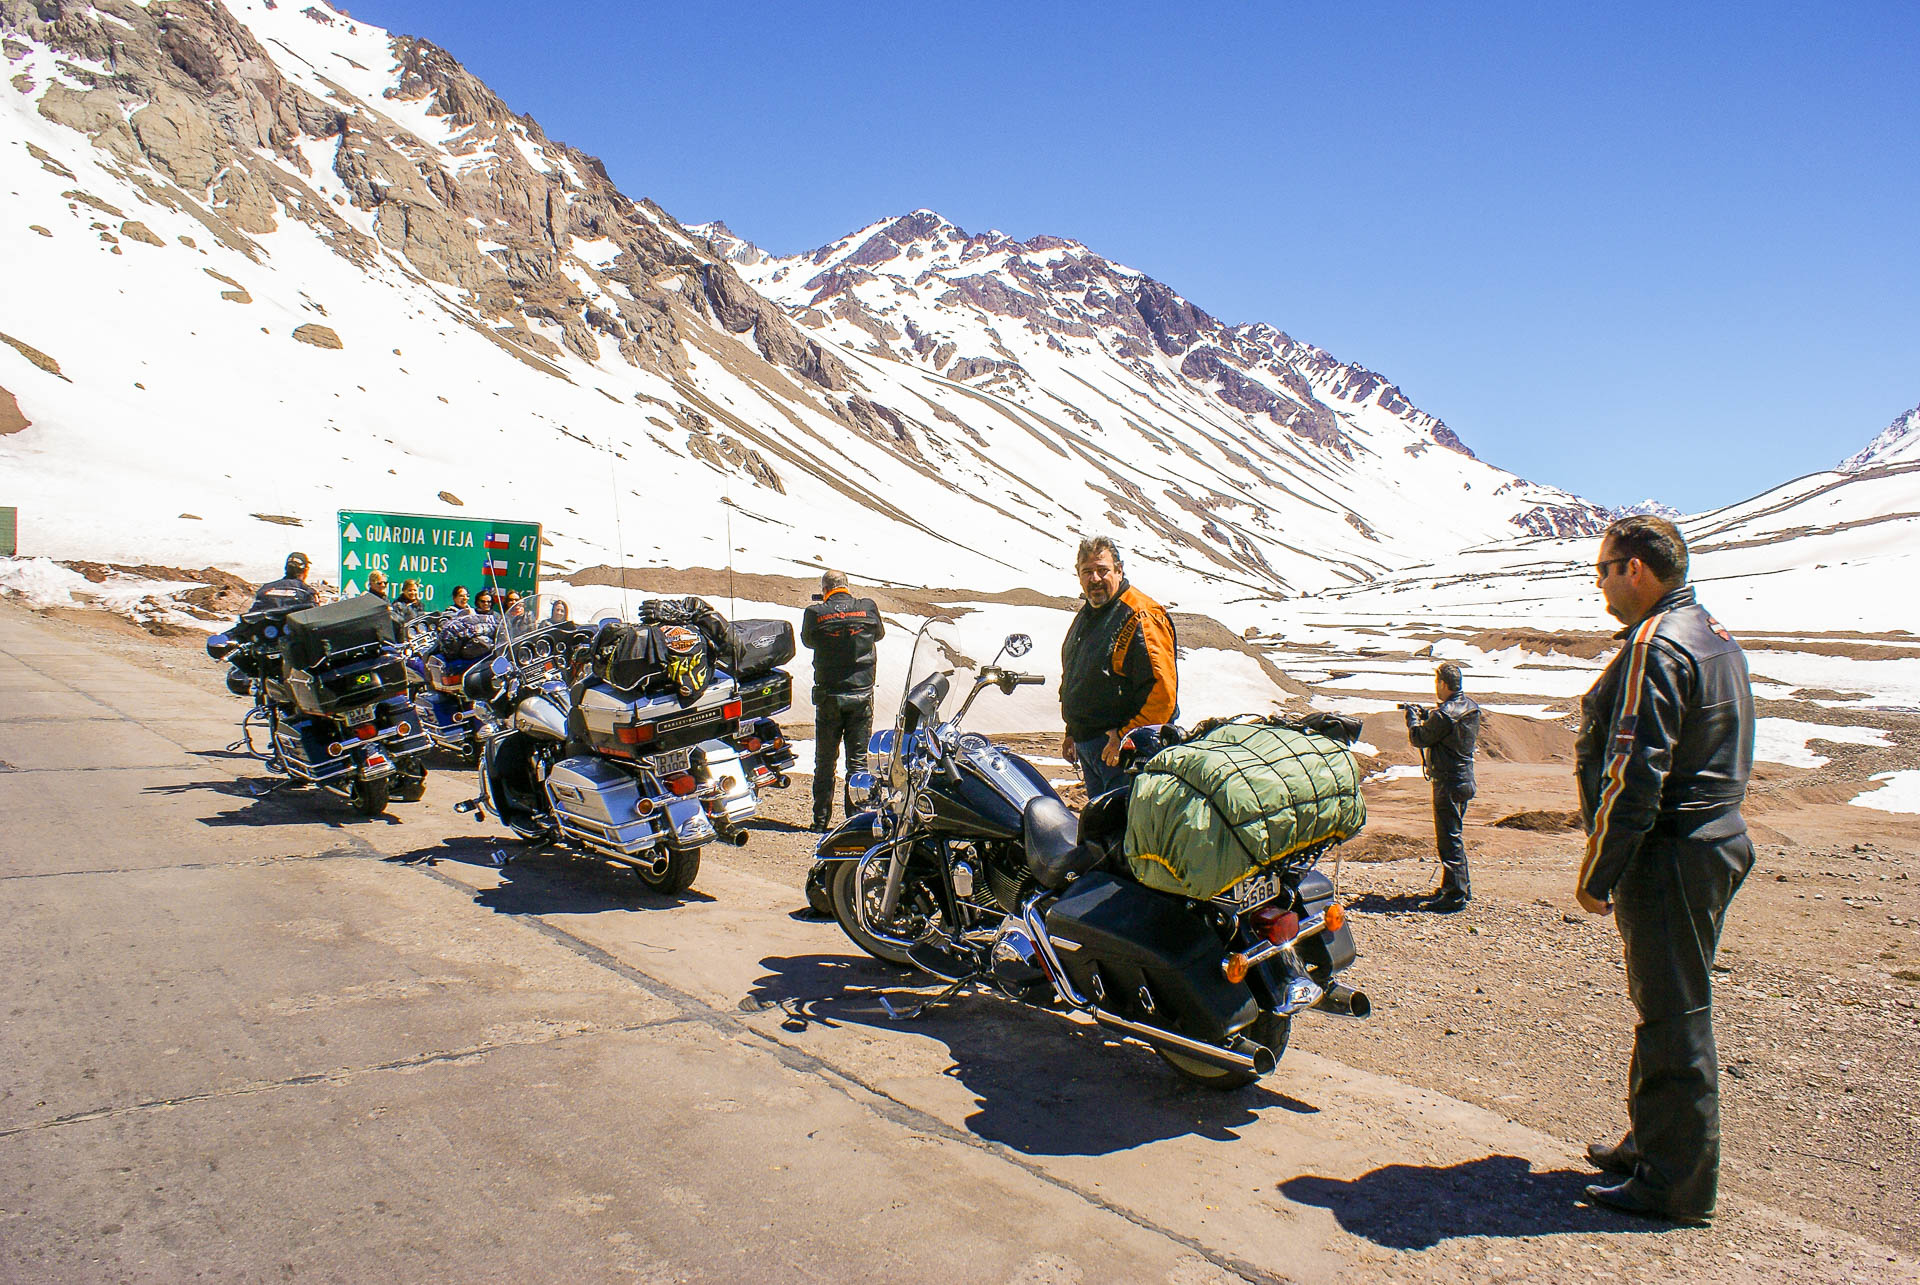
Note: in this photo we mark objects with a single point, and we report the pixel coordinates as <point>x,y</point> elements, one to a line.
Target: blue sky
<point>1628,249</point>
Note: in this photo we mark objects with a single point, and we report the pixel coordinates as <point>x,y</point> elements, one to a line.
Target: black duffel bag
<point>760,646</point>
<point>314,633</point>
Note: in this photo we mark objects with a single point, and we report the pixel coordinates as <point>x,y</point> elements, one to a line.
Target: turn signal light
<point>1235,968</point>
<point>1336,916</point>
<point>751,744</point>
<point>637,734</point>
<point>644,807</point>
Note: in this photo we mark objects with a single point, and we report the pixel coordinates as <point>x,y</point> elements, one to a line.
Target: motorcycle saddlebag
<point>1212,810</point>
<point>314,633</point>
<point>1323,953</point>
<point>1117,939</point>
<point>759,645</point>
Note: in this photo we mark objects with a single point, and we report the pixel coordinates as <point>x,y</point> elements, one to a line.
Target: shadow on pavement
<point>1046,1085</point>
<point>547,880</point>
<point>1418,1206</point>
<point>272,801</point>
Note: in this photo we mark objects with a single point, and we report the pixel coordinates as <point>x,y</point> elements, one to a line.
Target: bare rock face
<point>134,230</point>
<point>317,335</point>
<point>11,420</point>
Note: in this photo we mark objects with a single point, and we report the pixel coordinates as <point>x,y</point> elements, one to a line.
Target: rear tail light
<point>366,731</point>
<point>751,744</point>
<point>637,734</point>
<point>732,709</point>
<point>683,784</point>
<point>1278,927</point>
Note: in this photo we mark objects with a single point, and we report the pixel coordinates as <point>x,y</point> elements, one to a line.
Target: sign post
<point>439,552</point>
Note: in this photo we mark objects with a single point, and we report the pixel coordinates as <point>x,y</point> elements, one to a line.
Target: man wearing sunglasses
<point>1665,749</point>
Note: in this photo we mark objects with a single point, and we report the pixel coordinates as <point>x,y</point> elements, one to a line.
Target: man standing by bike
<point>291,590</point>
<point>841,631</point>
<point>1663,757</point>
<point>1117,666</point>
<point>1446,736</point>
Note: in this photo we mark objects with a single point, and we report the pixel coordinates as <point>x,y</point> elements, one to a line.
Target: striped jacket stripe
<point>1633,685</point>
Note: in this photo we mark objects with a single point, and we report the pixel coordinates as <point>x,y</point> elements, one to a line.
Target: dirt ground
<point>1518,1003</point>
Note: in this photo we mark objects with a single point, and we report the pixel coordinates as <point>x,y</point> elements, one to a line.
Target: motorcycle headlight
<point>882,762</point>
<point>861,787</point>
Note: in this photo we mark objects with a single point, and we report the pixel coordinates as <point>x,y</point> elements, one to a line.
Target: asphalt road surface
<point>250,1036</point>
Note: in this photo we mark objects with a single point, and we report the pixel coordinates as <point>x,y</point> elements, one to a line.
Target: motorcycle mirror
<point>501,665</point>
<point>1017,645</point>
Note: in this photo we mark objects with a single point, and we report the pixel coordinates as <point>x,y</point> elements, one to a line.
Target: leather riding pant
<point>1449,815</point>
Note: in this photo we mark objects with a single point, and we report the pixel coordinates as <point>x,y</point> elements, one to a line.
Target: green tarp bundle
<point>1207,813</point>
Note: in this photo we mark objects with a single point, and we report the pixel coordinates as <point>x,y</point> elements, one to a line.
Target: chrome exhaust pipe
<point>738,838</point>
<point>1244,1055</point>
<point>1343,1001</point>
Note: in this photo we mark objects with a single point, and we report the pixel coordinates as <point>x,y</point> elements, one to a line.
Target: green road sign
<point>439,552</point>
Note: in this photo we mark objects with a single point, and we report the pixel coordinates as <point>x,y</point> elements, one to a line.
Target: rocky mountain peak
<point>1897,443</point>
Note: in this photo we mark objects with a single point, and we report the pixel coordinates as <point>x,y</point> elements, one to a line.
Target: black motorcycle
<point>329,689</point>
<point>966,864</point>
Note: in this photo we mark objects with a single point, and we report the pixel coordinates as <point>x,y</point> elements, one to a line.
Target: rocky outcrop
<point>11,418</point>
<point>317,335</point>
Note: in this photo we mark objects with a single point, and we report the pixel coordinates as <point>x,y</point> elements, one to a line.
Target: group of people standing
<point>1662,760</point>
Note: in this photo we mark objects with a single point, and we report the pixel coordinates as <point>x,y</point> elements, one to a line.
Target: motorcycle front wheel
<point>1270,1029</point>
<point>369,798</point>
<point>681,870</point>
<point>843,891</point>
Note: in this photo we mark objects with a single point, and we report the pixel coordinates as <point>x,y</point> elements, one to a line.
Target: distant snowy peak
<point>1898,443</point>
<point>1653,508</point>
<point>1049,322</point>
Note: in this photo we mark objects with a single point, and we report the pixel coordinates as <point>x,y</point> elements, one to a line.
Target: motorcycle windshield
<point>939,651</point>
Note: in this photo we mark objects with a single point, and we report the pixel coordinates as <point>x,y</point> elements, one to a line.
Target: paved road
<point>249,1037</point>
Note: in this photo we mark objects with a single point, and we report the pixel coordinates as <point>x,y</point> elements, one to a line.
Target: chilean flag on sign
<point>497,541</point>
<point>494,567</point>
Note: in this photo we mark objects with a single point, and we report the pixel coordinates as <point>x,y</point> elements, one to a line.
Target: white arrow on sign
<point>350,590</point>
<point>352,561</point>
<point>351,534</point>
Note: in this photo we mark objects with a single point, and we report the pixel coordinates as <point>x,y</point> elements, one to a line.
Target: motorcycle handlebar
<point>1029,680</point>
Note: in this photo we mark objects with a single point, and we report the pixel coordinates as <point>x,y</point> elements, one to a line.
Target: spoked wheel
<point>369,798</point>
<point>843,889</point>
<point>1270,1029</point>
<point>682,868</point>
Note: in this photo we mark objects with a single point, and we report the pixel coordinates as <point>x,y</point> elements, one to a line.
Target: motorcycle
<point>329,688</point>
<point>966,864</point>
<point>623,741</point>
<point>449,719</point>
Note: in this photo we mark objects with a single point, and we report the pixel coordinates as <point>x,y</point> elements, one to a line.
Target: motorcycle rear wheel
<point>682,869</point>
<point>1270,1029</point>
<point>843,891</point>
<point>369,798</point>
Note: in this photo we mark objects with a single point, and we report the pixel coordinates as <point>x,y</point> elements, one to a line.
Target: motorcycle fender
<point>847,842</point>
<point>850,839</point>
<point>373,762</point>
<point>687,823</point>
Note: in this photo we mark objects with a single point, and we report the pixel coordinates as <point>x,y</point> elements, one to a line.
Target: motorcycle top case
<point>1135,938</point>
<point>760,645</point>
<point>1212,810</point>
<point>314,633</point>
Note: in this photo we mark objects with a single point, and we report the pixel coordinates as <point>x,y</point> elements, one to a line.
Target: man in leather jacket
<point>1446,736</point>
<point>1665,749</point>
<point>291,590</point>
<point>841,631</point>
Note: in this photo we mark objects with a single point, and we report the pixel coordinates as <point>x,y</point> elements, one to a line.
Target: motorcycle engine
<point>1009,884</point>
<point>1015,970</point>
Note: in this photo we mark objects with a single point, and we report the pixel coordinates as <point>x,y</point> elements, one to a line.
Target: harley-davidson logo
<point>679,639</point>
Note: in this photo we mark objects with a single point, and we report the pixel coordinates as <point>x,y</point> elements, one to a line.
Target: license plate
<point>355,717</point>
<point>1255,890</point>
<point>673,761</point>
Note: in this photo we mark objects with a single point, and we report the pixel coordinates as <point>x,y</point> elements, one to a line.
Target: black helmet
<point>297,564</point>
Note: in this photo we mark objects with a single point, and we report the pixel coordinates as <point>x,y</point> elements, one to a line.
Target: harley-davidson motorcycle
<point>625,740</point>
<point>329,690</point>
<point>966,864</point>
<point>452,645</point>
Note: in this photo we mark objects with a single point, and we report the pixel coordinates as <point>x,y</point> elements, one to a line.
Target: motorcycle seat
<point>1054,853</point>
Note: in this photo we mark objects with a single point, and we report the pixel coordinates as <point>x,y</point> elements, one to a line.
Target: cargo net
<point>1241,795</point>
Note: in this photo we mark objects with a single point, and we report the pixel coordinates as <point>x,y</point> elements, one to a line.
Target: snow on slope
<point>1898,443</point>
<point>266,262</point>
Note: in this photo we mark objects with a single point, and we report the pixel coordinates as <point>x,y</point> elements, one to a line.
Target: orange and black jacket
<point>1666,740</point>
<point>1117,666</point>
<point>841,630</point>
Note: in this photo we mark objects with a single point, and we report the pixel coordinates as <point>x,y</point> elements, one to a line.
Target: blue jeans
<point>1093,769</point>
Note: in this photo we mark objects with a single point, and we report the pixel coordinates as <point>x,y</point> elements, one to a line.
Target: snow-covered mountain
<point>265,262</point>
<point>1898,443</point>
